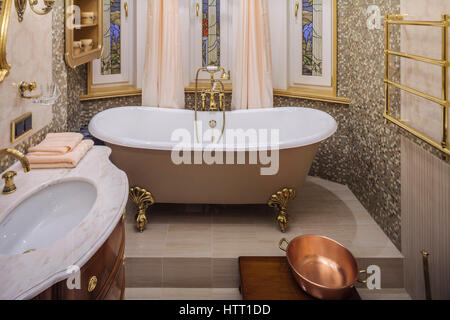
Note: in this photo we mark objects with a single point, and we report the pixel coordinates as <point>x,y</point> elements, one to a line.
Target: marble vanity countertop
<point>26,276</point>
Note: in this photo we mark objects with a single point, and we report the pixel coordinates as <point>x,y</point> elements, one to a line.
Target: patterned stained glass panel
<point>211,33</point>
<point>111,63</point>
<point>312,15</point>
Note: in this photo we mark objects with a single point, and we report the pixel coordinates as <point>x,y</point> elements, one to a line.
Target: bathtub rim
<point>170,145</point>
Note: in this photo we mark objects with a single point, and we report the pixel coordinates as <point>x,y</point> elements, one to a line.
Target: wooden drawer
<point>99,275</point>
<point>116,289</point>
<point>100,270</point>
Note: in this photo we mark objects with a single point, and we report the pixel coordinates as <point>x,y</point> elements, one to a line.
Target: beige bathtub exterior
<point>211,184</point>
<point>142,140</point>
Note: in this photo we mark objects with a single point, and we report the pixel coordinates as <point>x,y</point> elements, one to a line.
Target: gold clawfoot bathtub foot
<point>280,201</point>
<point>143,200</point>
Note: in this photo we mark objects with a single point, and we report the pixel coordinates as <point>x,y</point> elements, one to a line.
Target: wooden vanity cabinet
<point>102,277</point>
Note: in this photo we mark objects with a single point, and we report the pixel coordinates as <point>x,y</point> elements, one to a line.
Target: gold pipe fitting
<point>221,101</point>
<point>203,101</point>
<point>27,87</point>
<point>426,272</point>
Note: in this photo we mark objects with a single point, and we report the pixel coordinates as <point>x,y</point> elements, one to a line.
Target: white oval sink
<point>46,217</point>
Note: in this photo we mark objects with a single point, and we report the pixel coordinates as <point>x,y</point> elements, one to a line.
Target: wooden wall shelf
<point>94,32</point>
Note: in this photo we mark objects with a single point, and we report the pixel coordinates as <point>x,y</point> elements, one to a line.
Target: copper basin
<point>323,268</point>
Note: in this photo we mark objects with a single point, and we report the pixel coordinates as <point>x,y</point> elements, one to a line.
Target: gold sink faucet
<point>10,187</point>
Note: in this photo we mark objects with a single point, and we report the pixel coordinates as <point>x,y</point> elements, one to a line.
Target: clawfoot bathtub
<point>263,156</point>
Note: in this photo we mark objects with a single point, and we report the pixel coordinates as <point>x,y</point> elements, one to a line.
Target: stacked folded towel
<point>59,150</point>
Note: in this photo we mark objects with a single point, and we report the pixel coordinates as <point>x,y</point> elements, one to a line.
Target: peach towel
<point>68,160</point>
<point>57,144</point>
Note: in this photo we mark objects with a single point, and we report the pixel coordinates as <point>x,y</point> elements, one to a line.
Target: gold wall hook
<point>125,6</point>
<point>197,8</point>
<point>297,7</point>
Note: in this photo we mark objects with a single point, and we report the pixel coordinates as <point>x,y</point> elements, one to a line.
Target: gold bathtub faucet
<point>10,187</point>
<point>212,92</point>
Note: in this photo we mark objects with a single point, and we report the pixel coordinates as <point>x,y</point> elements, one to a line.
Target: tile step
<point>223,273</point>
<point>234,294</point>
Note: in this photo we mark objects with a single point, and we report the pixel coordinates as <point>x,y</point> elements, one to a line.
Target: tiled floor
<point>196,247</point>
<point>322,207</point>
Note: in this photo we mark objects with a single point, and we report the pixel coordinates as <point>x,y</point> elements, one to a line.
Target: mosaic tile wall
<point>77,79</point>
<point>374,161</point>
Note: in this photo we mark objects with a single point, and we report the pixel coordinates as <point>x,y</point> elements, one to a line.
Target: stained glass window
<point>111,63</point>
<point>211,33</point>
<point>312,12</point>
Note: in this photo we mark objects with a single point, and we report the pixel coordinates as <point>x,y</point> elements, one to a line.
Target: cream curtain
<point>162,83</point>
<point>252,72</point>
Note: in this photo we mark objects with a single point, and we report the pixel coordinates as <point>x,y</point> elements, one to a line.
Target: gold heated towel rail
<point>444,63</point>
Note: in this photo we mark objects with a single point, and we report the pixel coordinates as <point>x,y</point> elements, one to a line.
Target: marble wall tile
<point>24,44</point>
<point>57,115</point>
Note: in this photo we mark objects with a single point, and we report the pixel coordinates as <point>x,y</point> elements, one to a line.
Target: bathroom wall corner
<point>59,73</point>
<point>365,152</point>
